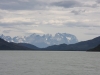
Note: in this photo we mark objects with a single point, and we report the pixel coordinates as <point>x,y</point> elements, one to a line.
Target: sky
<point>24,17</point>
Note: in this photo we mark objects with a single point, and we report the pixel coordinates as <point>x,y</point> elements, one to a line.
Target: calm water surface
<point>49,63</point>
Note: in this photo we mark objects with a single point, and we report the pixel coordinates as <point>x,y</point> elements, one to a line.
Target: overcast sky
<point>23,17</point>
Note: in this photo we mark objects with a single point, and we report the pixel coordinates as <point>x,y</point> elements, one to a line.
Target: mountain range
<point>44,40</point>
<point>89,45</point>
<point>80,46</point>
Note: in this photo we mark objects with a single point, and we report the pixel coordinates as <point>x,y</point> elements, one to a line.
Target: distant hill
<point>11,46</point>
<point>96,49</point>
<point>28,46</point>
<point>81,46</point>
<point>60,47</point>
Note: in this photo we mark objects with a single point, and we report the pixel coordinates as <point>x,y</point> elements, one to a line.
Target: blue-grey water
<point>49,63</point>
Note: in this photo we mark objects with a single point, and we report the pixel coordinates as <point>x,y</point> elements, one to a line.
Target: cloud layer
<point>42,16</point>
<point>67,4</point>
<point>20,4</point>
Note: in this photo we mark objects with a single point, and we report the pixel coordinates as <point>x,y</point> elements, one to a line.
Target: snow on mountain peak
<point>68,38</point>
<point>43,40</point>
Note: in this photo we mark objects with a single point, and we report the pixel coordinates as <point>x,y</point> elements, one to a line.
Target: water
<point>49,63</point>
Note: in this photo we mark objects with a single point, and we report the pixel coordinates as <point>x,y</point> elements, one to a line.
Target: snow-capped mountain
<point>43,40</point>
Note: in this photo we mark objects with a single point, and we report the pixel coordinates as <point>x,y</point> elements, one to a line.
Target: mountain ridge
<point>44,40</point>
<point>80,46</point>
<point>4,45</point>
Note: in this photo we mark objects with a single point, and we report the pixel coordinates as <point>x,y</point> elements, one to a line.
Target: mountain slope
<point>60,47</point>
<point>4,45</point>
<point>11,46</point>
<point>28,46</point>
<point>81,46</point>
<point>96,49</point>
<point>86,45</point>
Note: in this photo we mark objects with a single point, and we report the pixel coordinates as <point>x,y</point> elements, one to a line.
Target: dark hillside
<point>11,46</point>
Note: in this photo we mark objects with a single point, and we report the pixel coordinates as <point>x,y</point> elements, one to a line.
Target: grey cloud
<point>77,12</point>
<point>21,5</point>
<point>76,24</point>
<point>79,24</point>
<point>12,25</point>
<point>73,3</point>
<point>39,5</point>
<point>92,6</point>
<point>67,4</point>
<point>92,33</point>
<point>6,31</point>
<point>1,17</point>
<point>98,1</point>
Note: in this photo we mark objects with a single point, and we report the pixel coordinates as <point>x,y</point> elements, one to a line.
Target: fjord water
<point>49,63</point>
